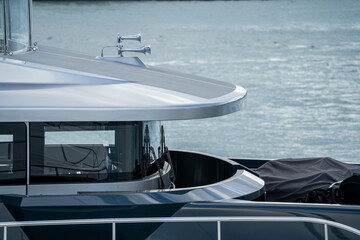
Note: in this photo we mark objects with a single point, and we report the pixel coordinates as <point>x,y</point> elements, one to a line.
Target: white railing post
<point>5,233</point>
<point>326,231</point>
<point>218,230</point>
<point>113,231</point>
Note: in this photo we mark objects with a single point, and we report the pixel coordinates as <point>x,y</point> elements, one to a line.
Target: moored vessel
<point>81,137</point>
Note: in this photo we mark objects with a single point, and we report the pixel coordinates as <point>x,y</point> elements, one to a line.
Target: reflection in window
<point>89,151</point>
<point>6,152</point>
<point>105,137</point>
<point>1,27</point>
<point>17,25</point>
<point>12,153</point>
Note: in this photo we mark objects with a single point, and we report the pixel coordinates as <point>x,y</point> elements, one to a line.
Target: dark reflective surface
<point>12,153</point>
<point>349,215</point>
<point>91,151</point>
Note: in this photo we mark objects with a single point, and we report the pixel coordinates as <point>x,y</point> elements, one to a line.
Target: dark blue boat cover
<point>291,179</point>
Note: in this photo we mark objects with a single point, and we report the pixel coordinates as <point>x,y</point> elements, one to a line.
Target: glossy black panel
<point>349,215</point>
<point>85,151</point>
<point>12,153</point>
<point>231,182</point>
<point>192,169</point>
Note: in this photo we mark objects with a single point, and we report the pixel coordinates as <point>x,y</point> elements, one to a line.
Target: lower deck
<point>205,186</point>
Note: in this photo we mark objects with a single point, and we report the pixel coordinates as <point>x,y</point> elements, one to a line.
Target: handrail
<point>218,220</point>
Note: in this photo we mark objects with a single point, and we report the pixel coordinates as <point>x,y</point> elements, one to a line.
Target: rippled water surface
<point>299,61</point>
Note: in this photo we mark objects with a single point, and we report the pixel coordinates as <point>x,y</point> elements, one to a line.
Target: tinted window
<point>89,151</point>
<point>12,153</point>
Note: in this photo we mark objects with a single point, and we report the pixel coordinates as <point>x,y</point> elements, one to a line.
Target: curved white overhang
<point>53,86</point>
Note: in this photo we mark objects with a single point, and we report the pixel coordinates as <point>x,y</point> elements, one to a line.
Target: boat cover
<point>291,179</point>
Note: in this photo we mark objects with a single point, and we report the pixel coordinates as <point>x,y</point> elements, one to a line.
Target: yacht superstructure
<point>81,138</point>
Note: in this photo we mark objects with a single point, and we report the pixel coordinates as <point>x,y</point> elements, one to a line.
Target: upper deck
<point>56,85</point>
<point>48,84</point>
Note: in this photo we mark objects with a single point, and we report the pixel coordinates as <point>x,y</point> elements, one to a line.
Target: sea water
<point>299,61</point>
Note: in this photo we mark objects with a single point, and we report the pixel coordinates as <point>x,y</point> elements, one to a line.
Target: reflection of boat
<point>81,137</point>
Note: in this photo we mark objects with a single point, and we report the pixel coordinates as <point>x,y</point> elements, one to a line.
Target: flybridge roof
<point>56,85</point>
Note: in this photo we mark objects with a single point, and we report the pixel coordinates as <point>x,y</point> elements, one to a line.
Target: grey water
<point>298,59</point>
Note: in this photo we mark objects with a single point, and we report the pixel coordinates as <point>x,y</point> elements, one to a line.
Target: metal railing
<point>218,220</point>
